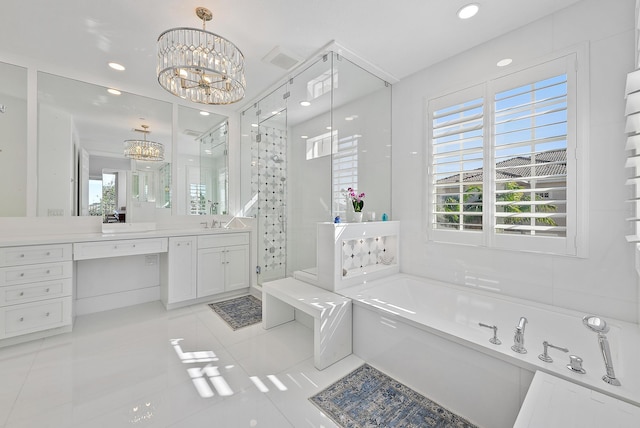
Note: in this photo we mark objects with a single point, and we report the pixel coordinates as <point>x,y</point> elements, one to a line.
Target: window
<point>502,161</point>
<point>344,171</point>
<point>321,145</point>
<point>322,84</point>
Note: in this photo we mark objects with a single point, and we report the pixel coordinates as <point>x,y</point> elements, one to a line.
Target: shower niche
<point>323,130</point>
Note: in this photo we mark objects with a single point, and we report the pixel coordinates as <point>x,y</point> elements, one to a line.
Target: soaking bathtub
<point>426,334</point>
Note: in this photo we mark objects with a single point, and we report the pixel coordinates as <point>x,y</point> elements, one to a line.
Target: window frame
<point>574,244</point>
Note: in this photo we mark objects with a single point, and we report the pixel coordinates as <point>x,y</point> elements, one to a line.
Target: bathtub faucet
<point>518,337</point>
<point>598,325</point>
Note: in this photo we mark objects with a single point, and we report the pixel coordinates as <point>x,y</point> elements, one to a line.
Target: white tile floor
<point>119,368</point>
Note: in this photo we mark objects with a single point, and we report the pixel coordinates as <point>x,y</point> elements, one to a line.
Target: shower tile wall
<point>268,182</point>
<point>359,253</point>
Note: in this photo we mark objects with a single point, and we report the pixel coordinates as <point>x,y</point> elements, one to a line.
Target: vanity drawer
<point>26,255</point>
<point>223,240</point>
<point>122,247</point>
<point>24,293</point>
<point>35,273</point>
<point>31,317</point>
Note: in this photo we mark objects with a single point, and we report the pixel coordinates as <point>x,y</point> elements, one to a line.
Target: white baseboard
<point>122,299</point>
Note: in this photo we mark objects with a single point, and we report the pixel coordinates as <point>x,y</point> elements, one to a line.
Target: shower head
<point>595,324</point>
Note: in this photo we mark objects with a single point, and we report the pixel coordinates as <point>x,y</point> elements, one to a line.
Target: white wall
<point>605,281</point>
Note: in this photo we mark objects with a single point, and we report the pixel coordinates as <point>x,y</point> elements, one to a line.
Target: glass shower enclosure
<point>326,129</point>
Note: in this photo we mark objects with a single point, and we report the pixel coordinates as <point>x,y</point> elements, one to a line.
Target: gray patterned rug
<point>239,312</point>
<point>369,398</point>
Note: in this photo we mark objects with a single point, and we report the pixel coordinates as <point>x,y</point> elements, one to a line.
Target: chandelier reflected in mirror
<point>142,149</point>
<point>200,66</point>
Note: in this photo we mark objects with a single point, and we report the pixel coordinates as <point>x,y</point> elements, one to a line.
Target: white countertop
<point>552,402</point>
<point>70,237</point>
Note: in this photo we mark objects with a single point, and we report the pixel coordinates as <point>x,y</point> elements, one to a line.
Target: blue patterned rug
<point>239,312</point>
<point>369,398</point>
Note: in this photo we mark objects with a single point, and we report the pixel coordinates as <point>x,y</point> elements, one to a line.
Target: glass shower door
<point>269,185</point>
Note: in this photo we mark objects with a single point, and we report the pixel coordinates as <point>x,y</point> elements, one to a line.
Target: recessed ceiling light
<point>305,103</point>
<point>328,127</point>
<point>114,91</point>
<point>255,125</point>
<point>504,62</point>
<point>468,11</point>
<point>304,136</point>
<point>204,113</point>
<point>116,66</point>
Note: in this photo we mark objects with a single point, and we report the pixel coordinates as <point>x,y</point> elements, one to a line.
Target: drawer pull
<point>21,293</point>
<point>46,290</point>
<point>47,314</point>
<point>134,245</point>
<point>48,253</point>
<point>48,272</point>
<point>21,319</point>
<point>21,273</point>
<point>22,255</point>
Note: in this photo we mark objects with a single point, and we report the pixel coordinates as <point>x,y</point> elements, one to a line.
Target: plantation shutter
<point>457,145</point>
<point>530,155</point>
<point>345,170</point>
<point>632,128</point>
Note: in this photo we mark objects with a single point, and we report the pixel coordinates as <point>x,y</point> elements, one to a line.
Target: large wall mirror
<point>82,133</point>
<point>202,163</point>
<point>82,168</point>
<point>13,141</point>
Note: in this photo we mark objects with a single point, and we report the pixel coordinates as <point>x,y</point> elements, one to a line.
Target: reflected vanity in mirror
<point>80,161</point>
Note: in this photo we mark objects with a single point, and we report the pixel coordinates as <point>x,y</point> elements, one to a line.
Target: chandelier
<point>142,149</point>
<point>200,66</point>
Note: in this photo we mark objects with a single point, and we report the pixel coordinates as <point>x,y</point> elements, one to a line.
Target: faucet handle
<point>575,364</point>
<point>494,339</point>
<point>545,355</point>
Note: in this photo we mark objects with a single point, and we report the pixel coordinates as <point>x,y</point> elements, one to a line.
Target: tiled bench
<point>332,324</point>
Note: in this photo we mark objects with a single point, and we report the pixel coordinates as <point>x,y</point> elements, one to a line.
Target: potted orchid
<point>357,201</point>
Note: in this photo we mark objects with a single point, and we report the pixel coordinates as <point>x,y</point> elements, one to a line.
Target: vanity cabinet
<point>36,285</point>
<point>223,263</point>
<point>118,248</point>
<point>179,274</point>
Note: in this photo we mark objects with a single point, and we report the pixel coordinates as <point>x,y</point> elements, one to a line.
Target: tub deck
<point>453,313</point>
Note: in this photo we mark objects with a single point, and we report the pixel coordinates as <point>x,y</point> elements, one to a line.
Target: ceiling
<point>77,38</point>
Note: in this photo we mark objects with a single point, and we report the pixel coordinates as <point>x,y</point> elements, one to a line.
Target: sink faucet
<point>213,223</point>
<point>518,337</point>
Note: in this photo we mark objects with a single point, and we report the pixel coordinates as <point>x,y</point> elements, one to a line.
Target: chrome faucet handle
<point>575,364</point>
<point>494,339</point>
<point>545,355</point>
